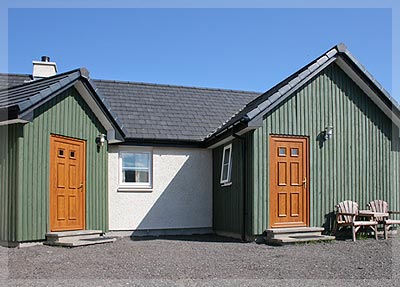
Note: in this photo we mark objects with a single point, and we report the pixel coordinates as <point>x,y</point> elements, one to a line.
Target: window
<point>226,164</point>
<point>135,169</point>
<point>60,152</point>
<point>294,151</point>
<point>282,151</point>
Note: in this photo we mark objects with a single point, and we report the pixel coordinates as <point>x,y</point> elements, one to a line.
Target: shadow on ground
<point>193,238</point>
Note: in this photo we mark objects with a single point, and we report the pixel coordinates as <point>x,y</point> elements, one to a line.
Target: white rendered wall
<point>181,196</point>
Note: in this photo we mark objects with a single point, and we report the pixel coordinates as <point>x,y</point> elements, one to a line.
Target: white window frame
<point>228,179</point>
<point>135,186</point>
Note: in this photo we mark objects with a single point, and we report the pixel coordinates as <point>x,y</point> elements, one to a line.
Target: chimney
<point>44,68</point>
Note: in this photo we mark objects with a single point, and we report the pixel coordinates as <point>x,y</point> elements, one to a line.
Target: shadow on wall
<point>329,223</point>
<point>186,200</point>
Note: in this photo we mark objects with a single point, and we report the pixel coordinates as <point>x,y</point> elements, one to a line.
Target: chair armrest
<point>394,212</point>
<point>346,213</point>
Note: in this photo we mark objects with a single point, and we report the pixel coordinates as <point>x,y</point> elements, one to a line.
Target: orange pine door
<point>67,183</point>
<point>288,182</point>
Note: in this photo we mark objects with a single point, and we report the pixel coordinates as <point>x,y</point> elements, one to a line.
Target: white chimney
<point>44,68</point>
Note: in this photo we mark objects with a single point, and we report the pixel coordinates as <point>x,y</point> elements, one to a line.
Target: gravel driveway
<point>207,260</point>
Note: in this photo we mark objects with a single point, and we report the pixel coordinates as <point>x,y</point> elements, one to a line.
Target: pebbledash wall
<point>179,202</point>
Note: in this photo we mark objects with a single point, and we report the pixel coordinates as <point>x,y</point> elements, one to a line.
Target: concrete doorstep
<point>77,238</point>
<point>281,236</point>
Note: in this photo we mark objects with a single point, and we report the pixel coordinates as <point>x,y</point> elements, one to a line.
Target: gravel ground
<point>206,260</point>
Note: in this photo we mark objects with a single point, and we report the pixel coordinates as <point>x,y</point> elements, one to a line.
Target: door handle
<point>305,182</point>
<point>80,186</point>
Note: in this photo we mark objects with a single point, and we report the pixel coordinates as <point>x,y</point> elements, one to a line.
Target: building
<point>78,153</point>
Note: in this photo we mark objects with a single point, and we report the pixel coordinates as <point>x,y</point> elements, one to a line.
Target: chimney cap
<point>45,59</point>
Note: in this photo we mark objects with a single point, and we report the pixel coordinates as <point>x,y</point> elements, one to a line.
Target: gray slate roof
<point>154,112</point>
<point>18,100</point>
<point>12,80</point>
<point>171,112</point>
<point>26,94</point>
<point>149,111</point>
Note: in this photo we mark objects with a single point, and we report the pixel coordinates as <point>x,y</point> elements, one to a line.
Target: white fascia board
<point>87,97</point>
<point>367,90</point>
<point>221,142</point>
<point>230,138</point>
<point>15,121</point>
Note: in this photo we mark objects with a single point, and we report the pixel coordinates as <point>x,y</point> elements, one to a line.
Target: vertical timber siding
<point>8,175</point>
<point>360,162</point>
<point>66,115</point>
<point>227,200</point>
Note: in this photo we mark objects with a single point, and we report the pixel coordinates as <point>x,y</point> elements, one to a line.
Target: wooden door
<point>67,183</point>
<point>288,181</point>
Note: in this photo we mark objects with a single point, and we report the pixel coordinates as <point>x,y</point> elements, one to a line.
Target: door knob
<point>305,182</point>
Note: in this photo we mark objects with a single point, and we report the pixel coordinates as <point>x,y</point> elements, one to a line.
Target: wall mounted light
<point>100,140</point>
<point>328,132</point>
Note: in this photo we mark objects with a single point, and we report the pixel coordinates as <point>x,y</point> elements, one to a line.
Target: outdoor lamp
<point>100,139</point>
<point>328,132</point>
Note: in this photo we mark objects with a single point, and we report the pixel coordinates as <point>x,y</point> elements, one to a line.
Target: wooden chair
<point>346,215</point>
<point>383,207</point>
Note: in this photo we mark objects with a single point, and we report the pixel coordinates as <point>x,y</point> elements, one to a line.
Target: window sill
<point>226,184</point>
<point>134,189</point>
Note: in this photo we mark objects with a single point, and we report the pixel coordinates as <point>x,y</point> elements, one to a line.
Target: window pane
<point>226,156</point>
<point>142,176</point>
<point>129,176</point>
<point>135,160</point>
<point>139,176</point>
<point>142,160</point>
<point>295,151</point>
<point>282,151</point>
<point>225,172</point>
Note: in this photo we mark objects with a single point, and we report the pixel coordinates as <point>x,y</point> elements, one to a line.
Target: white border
<point>135,186</point>
<point>228,180</point>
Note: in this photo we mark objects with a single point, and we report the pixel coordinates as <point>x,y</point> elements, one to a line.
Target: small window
<point>226,164</point>
<point>60,152</point>
<point>72,154</point>
<point>135,169</point>
<point>282,151</point>
<point>294,152</point>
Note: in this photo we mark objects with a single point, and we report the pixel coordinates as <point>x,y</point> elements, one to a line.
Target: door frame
<point>307,163</point>
<point>52,156</point>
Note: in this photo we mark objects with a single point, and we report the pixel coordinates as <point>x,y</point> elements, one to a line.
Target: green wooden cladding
<point>360,162</point>
<point>8,170</point>
<point>27,164</point>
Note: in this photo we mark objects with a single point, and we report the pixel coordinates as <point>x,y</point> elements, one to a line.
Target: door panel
<point>288,176</point>
<point>67,183</point>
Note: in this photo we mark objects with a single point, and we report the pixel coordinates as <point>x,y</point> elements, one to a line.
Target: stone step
<point>298,239</point>
<point>65,236</point>
<point>81,242</point>
<point>294,229</point>
<point>277,233</point>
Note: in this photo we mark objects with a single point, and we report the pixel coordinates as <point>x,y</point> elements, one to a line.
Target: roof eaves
<point>288,90</point>
<point>293,82</point>
<point>343,49</point>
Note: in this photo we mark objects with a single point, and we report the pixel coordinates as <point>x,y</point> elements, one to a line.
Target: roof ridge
<point>175,86</point>
<point>40,80</point>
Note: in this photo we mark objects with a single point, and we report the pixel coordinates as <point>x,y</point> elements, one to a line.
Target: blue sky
<point>246,49</point>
